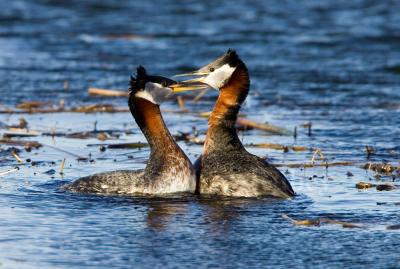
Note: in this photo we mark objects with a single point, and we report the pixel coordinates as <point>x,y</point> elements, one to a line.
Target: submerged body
<point>168,169</point>
<point>225,167</point>
<point>241,174</point>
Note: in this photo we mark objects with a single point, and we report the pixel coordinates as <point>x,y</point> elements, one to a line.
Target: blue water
<point>333,63</point>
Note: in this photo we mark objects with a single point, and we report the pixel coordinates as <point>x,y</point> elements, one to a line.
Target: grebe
<point>168,169</point>
<point>225,167</point>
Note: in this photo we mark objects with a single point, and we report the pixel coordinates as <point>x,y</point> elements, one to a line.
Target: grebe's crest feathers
<point>232,57</point>
<point>138,83</point>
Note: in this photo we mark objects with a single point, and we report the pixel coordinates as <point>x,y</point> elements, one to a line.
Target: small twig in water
<point>62,167</point>
<point>16,156</point>
<point>15,169</point>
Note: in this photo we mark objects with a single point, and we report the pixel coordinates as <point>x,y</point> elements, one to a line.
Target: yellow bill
<point>187,86</point>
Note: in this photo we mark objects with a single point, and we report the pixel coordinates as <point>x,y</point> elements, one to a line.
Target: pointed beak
<point>188,85</point>
<point>194,73</point>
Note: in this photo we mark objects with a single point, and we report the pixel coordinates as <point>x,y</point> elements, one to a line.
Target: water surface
<point>335,64</point>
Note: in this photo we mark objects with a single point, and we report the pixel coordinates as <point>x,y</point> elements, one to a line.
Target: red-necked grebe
<point>168,169</point>
<point>225,167</point>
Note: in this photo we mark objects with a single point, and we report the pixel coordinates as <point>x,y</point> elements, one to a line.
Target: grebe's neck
<point>163,148</point>
<point>221,134</point>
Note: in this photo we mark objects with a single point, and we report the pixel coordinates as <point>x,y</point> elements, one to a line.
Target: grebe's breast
<point>240,174</point>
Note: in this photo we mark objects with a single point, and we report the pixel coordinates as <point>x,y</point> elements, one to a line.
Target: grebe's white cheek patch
<point>154,93</point>
<point>145,95</point>
<point>220,76</point>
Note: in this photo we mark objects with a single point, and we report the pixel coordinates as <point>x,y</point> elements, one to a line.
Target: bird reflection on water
<point>215,214</point>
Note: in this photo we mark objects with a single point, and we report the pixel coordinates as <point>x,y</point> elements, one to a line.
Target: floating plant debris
<point>32,144</point>
<point>278,147</point>
<point>364,185</point>
<point>383,168</point>
<point>319,221</point>
<point>307,222</point>
<point>385,187</point>
<point>14,132</point>
<point>98,108</point>
<point>262,126</point>
<point>31,105</point>
<point>135,145</point>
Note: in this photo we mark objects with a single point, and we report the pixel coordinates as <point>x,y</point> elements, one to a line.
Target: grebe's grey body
<point>225,167</point>
<point>168,169</point>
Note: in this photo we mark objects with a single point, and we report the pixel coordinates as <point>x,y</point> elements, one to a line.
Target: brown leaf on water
<point>364,185</point>
<point>102,136</point>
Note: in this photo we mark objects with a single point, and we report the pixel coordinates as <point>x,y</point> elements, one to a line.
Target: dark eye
<point>164,84</point>
<point>212,69</point>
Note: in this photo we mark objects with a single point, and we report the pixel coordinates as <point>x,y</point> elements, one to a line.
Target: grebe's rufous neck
<point>225,167</point>
<point>168,169</point>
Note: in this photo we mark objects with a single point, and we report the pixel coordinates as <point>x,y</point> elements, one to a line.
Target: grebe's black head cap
<point>152,88</point>
<point>139,83</point>
<point>217,73</point>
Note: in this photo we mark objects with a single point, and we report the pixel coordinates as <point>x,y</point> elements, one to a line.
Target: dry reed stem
<point>262,126</point>
<point>16,156</point>
<point>319,152</point>
<point>62,167</point>
<point>15,169</point>
<point>108,93</point>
